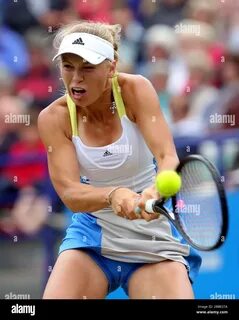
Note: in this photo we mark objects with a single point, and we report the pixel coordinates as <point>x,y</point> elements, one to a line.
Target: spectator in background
<point>135,7</point>
<point>8,137</point>
<point>31,13</point>
<point>194,35</point>
<point>13,52</point>
<point>160,42</point>
<point>203,10</point>
<point>199,88</point>
<point>2,6</point>
<point>228,15</point>
<point>233,34</point>
<point>183,125</point>
<point>94,10</point>
<point>167,12</point>
<point>57,12</point>
<point>206,13</point>
<point>7,82</point>
<point>30,147</point>
<point>227,95</point>
<point>26,174</point>
<point>18,15</point>
<point>39,84</point>
<point>8,130</point>
<point>158,73</point>
<point>131,36</point>
<point>146,9</point>
<point>232,177</point>
<point>232,111</point>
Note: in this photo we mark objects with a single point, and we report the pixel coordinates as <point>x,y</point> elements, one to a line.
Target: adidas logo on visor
<point>78,41</point>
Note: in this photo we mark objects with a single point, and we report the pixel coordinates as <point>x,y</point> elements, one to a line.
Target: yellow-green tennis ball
<point>168,183</point>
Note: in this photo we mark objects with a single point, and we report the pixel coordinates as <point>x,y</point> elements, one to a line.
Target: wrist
<point>110,195</point>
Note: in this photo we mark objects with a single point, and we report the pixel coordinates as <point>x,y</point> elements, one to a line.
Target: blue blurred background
<point>188,49</point>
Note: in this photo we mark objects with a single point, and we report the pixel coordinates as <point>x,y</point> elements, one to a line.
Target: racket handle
<point>149,205</point>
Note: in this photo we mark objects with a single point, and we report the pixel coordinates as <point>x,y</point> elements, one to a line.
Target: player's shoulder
<point>133,88</point>
<point>54,109</point>
<point>54,116</point>
<point>132,81</point>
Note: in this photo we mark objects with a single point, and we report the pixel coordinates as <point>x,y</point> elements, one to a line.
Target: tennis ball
<point>168,183</point>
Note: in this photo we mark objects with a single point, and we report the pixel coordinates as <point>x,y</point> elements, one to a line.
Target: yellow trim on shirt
<point>72,111</point>
<point>117,97</point>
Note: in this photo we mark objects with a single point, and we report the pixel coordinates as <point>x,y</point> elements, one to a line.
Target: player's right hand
<point>123,202</point>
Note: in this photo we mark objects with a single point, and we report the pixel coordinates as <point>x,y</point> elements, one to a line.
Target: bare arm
<point>64,168</point>
<point>144,104</point>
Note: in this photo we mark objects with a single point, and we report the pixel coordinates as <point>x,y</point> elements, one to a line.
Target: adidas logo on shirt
<point>78,41</point>
<point>107,153</point>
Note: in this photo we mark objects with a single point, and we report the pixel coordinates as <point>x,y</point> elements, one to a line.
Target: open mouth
<point>78,92</point>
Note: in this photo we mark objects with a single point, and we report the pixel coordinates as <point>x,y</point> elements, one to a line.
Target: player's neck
<point>100,110</point>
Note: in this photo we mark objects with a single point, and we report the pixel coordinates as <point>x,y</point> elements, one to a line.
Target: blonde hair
<point>105,31</point>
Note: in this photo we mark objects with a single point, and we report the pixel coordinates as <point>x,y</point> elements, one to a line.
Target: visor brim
<point>88,55</point>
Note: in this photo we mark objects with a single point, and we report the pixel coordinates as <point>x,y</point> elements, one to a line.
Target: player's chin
<point>81,101</point>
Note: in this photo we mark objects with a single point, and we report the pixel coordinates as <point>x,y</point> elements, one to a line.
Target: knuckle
<point>146,194</point>
<point>141,204</point>
<point>124,203</point>
<point>149,217</point>
<point>132,216</point>
<point>145,216</point>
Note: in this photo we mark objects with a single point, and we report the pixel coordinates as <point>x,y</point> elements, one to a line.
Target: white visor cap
<point>88,46</point>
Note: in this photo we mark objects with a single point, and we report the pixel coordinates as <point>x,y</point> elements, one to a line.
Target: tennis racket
<point>199,209</point>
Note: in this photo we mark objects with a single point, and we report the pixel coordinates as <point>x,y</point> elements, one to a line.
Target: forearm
<point>167,162</point>
<point>81,197</point>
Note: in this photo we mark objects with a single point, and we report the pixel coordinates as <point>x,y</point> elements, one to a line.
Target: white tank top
<point>126,162</point>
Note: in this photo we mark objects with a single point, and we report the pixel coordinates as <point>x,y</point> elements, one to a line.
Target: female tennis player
<point>101,138</point>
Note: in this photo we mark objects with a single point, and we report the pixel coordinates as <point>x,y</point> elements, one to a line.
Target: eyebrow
<point>84,61</point>
<point>65,60</point>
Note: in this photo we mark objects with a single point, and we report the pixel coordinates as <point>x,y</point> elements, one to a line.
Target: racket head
<point>200,207</point>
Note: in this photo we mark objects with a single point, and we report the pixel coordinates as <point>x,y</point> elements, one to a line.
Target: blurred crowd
<point>188,49</point>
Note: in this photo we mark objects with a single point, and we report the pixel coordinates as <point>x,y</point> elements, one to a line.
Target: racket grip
<point>149,205</point>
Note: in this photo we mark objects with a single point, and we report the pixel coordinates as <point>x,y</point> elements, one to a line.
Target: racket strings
<point>198,205</point>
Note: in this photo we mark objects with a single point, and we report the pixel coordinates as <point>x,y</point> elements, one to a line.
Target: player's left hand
<point>148,193</point>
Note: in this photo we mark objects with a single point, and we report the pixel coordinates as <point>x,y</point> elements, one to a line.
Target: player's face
<point>85,82</point>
